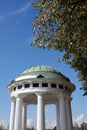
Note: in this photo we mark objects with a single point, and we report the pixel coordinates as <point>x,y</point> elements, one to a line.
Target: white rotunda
<point>41,85</point>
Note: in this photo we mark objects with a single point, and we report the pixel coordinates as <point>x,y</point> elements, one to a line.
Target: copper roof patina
<point>43,71</point>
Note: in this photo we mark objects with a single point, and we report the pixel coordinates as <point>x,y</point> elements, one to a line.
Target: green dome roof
<point>39,69</point>
<point>41,72</point>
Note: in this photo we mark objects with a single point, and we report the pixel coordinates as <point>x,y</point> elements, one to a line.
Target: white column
<point>57,117</point>
<point>24,116</point>
<point>18,114</point>
<point>40,112</point>
<point>63,114</point>
<point>69,113</point>
<point>12,114</point>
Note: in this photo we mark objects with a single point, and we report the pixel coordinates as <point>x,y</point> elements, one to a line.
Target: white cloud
<point>4,123</point>
<point>50,125</point>
<point>21,10</point>
<point>30,123</point>
<point>16,12</point>
<point>53,124</point>
<point>78,120</point>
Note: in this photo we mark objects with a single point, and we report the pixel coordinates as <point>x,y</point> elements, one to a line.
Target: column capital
<point>13,99</point>
<point>19,96</point>
<point>62,94</point>
<point>24,104</point>
<point>39,93</point>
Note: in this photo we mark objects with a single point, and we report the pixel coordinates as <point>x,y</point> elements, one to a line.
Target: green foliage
<point>84,126</point>
<point>54,128</point>
<point>62,25</point>
<point>2,127</point>
<point>76,127</point>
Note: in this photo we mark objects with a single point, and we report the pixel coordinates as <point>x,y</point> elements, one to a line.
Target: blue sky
<point>16,54</point>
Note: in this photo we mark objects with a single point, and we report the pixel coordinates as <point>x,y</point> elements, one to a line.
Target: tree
<point>62,26</point>
<point>75,127</point>
<point>84,126</point>
<point>54,128</point>
<point>1,127</point>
